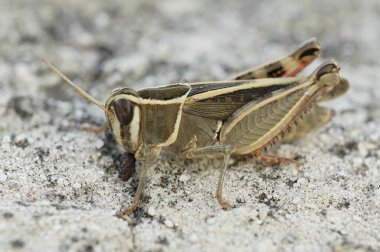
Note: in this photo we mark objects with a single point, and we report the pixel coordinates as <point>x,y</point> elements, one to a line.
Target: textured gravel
<point>59,186</point>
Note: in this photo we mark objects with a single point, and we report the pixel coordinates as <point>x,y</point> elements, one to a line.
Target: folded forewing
<point>220,101</point>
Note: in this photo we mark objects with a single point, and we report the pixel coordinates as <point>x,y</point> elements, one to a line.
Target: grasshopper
<point>241,116</point>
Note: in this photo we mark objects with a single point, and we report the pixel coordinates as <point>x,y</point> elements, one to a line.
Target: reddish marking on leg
<point>270,159</point>
<point>295,71</point>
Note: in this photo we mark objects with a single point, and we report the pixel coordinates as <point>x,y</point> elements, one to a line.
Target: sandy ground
<point>59,186</point>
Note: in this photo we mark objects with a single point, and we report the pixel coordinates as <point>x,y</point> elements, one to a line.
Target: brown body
<point>223,118</point>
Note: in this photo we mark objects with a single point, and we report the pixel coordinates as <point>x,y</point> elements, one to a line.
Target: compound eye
<point>123,111</point>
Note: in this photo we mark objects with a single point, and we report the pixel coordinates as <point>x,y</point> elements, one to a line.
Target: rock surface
<point>59,186</point>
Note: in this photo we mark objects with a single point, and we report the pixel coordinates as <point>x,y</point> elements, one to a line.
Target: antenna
<point>76,88</point>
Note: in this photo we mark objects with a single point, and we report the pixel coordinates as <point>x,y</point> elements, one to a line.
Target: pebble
<point>62,182</point>
<point>21,141</point>
<point>65,123</point>
<point>99,144</point>
<point>152,211</point>
<point>184,178</point>
<point>357,162</point>
<point>302,181</point>
<point>362,148</point>
<point>77,185</point>
<point>6,140</point>
<point>3,177</point>
<point>296,185</point>
<point>263,212</point>
<point>296,200</point>
<point>169,223</point>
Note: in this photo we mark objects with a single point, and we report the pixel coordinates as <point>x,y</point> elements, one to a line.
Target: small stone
<point>21,141</point>
<point>65,107</point>
<point>85,39</point>
<point>184,178</point>
<point>99,144</point>
<point>77,185</point>
<point>62,182</point>
<point>65,138</point>
<point>65,124</point>
<point>362,148</point>
<point>17,244</point>
<point>3,177</point>
<point>211,221</point>
<point>44,203</point>
<point>23,106</point>
<point>169,223</point>
<point>152,211</point>
<point>6,140</point>
<point>357,162</point>
<point>41,152</point>
<point>8,215</point>
<point>357,218</point>
<point>324,138</point>
<point>263,212</point>
<point>302,181</point>
<point>296,200</point>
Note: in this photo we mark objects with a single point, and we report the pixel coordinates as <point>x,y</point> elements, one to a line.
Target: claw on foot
<point>127,211</point>
<point>224,204</point>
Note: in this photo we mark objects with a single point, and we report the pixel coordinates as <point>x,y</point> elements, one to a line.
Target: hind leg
<point>271,159</point>
<point>288,66</point>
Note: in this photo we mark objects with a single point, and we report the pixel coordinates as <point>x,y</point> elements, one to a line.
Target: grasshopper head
<point>123,113</point>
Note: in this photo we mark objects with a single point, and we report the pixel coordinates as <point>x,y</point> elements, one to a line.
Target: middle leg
<point>215,151</point>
